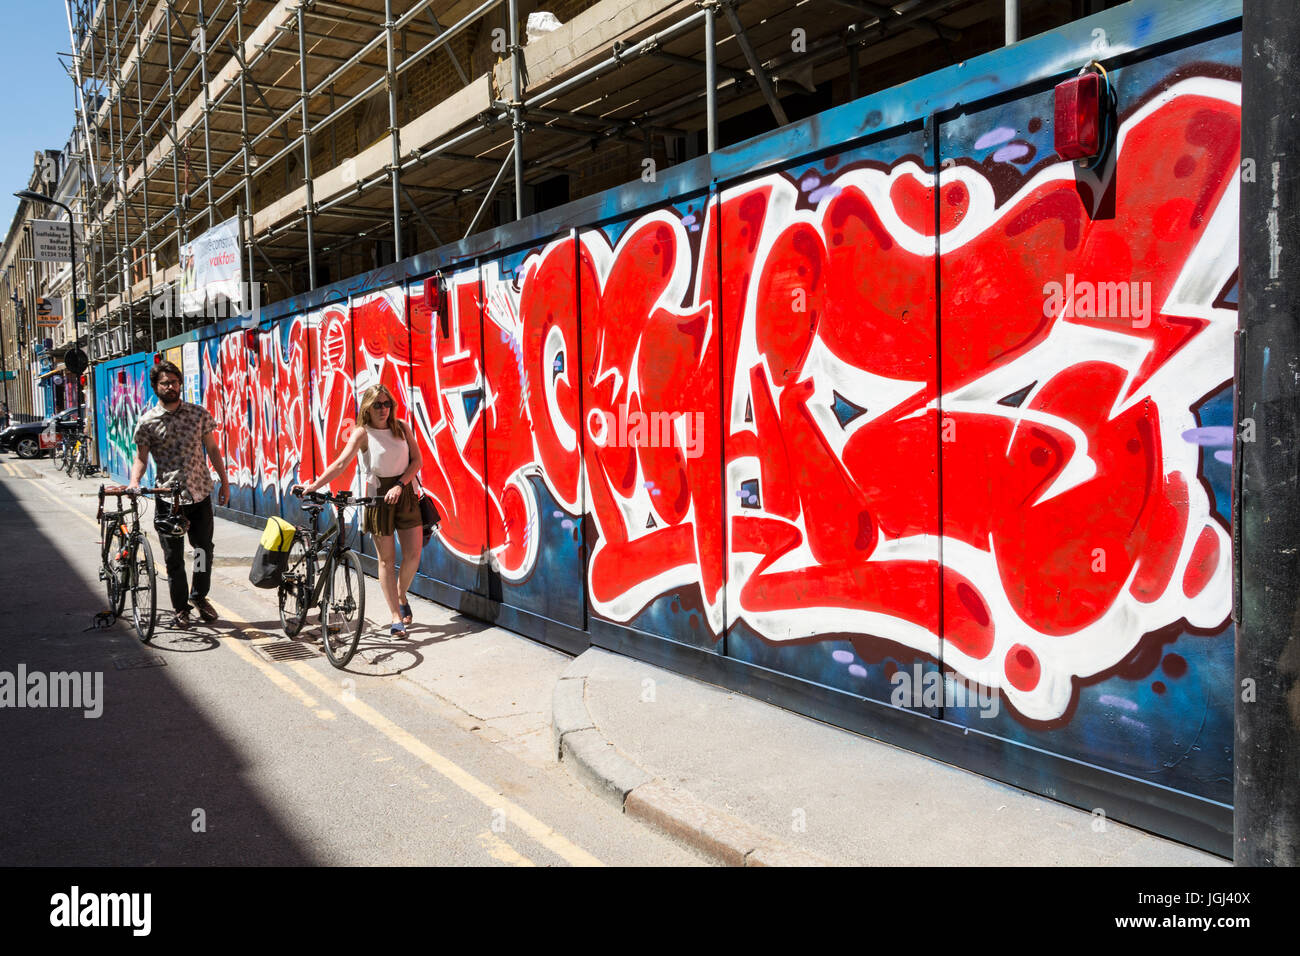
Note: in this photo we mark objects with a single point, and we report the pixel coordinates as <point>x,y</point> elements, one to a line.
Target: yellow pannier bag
<point>272,555</point>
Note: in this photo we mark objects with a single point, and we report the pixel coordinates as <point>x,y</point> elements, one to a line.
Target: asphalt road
<point>209,752</point>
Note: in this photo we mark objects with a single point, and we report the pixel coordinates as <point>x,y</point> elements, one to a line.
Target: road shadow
<point>152,781</point>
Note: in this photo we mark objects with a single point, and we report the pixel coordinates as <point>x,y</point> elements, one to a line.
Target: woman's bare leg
<point>412,539</point>
<point>386,549</point>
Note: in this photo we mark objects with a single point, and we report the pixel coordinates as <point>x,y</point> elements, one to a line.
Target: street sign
<point>79,311</point>
<point>8,374</point>
<point>50,241</point>
<point>75,360</point>
<point>49,312</point>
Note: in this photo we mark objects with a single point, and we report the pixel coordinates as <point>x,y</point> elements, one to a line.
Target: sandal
<point>407,616</point>
<point>397,629</point>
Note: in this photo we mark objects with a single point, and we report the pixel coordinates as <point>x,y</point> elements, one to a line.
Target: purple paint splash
<point>844,657</point>
<point>1213,436</point>
<point>1010,152</point>
<point>995,136</point>
<point>825,192</point>
<point>1110,700</point>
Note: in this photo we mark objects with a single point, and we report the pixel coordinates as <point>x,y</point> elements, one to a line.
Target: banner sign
<point>51,241</point>
<point>211,269</point>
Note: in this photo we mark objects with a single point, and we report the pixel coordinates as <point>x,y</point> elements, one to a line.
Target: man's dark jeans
<point>173,546</point>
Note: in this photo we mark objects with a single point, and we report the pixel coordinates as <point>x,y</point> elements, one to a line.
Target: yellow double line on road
<point>525,821</point>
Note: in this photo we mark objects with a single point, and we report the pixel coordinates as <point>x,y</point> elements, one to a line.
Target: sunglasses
<point>382,405</point>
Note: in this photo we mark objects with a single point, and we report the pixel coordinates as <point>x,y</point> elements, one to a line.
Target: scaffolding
<point>346,135</point>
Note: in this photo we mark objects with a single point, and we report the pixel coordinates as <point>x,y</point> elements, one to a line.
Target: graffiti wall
<point>122,395</point>
<point>934,419</point>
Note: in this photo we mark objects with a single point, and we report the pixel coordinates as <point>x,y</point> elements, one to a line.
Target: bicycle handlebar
<point>128,490</point>
<point>342,498</point>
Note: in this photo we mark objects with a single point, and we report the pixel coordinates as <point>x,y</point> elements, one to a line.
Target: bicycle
<point>71,442</point>
<point>81,463</point>
<point>323,571</point>
<point>126,557</point>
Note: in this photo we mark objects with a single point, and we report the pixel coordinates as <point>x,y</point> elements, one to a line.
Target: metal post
<point>309,211</point>
<point>121,185</point>
<point>182,226</point>
<point>394,133</point>
<point>1266,800</point>
<point>246,232</point>
<point>1012,8</point>
<point>202,40</point>
<point>756,67</point>
<point>711,74</point>
<point>490,193</point>
<point>516,111</point>
<point>144,159</point>
<point>4,360</point>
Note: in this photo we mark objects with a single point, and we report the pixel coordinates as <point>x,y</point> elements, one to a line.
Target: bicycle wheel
<point>116,575</point>
<point>295,588</point>
<point>144,591</point>
<point>342,609</point>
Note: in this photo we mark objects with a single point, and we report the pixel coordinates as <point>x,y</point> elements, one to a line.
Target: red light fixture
<point>1077,126</point>
<point>121,376</point>
<point>157,358</point>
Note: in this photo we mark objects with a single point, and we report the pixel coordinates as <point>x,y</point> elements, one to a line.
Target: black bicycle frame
<point>319,541</point>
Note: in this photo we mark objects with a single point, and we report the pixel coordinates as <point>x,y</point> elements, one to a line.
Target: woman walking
<point>390,462</point>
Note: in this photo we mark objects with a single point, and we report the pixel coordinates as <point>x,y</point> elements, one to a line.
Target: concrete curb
<point>678,814</point>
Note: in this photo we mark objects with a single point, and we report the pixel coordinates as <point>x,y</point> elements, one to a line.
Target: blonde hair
<point>372,395</point>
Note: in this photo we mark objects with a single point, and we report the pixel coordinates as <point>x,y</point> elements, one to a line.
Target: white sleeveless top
<point>386,456</point>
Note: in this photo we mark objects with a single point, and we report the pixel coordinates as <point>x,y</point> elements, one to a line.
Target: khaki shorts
<point>385,518</point>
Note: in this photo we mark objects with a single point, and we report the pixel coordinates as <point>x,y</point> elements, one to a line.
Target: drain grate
<point>135,661</point>
<point>281,651</point>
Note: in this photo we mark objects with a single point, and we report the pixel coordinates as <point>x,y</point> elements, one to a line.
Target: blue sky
<point>36,111</point>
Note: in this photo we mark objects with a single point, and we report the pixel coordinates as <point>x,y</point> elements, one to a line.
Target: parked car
<point>25,440</point>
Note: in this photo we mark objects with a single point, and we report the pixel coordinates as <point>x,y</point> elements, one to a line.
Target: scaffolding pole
<point>124,257</point>
<point>394,132</point>
<point>516,109</point>
<point>202,42</point>
<point>309,213</point>
<point>144,159</point>
<point>245,230</point>
<point>182,232</point>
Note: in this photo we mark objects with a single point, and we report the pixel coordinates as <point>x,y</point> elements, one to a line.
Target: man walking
<point>176,433</point>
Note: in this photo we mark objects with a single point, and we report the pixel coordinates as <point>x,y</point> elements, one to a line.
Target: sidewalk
<point>741,781</point>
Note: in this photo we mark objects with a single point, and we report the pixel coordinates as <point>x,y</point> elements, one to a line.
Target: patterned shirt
<point>175,439</point>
